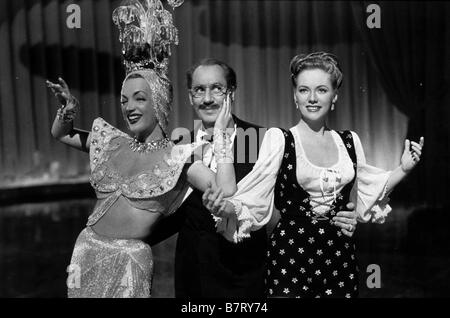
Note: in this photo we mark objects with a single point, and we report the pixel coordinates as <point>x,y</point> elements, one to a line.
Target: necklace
<point>146,147</point>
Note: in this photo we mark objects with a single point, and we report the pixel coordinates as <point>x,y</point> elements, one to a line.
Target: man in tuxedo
<point>206,264</point>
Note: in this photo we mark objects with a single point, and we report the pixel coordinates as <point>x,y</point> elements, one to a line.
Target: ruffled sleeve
<point>369,191</point>
<point>254,198</point>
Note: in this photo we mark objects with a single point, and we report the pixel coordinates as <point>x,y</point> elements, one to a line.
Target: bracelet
<point>68,115</point>
<point>222,146</point>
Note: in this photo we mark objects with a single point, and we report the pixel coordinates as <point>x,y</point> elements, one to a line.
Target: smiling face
<point>314,94</point>
<point>211,81</point>
<point>137,107</point>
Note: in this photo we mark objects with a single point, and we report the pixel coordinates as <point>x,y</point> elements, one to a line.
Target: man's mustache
<point>209,106</point>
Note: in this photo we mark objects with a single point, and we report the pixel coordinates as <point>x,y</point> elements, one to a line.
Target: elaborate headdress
<point>146,31</point>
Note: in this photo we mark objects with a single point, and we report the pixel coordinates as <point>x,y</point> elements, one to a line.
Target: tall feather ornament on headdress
<point>147,25</point>
<point>146,28</point>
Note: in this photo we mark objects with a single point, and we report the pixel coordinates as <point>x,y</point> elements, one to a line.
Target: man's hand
<point>346,220</point>
<point>213,200</point>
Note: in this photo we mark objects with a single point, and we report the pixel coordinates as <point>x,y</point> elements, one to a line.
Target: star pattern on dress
<point>322,255</point>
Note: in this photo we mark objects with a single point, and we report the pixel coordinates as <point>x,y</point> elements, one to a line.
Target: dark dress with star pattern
<point>308,256</point>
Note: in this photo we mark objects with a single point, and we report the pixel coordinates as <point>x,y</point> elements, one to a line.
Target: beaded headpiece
<point>146,31</point>
<point>148,27</point>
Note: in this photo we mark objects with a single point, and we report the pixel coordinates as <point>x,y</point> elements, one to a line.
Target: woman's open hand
<point>411,154</point>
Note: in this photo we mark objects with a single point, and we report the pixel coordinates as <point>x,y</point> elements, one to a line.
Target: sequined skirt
<point>103,267</point>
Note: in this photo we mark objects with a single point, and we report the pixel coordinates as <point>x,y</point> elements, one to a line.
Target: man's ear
<point>232,96</point>
<point>190,100</point>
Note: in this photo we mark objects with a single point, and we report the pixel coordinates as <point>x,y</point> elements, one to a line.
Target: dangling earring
<point>296,104</point>
<point>332,107</point>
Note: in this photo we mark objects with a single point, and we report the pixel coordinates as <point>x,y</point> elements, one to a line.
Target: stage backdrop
<point>395,77</point>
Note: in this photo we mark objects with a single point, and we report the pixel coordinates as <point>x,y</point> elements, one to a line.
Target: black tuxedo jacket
<point>206,264</point>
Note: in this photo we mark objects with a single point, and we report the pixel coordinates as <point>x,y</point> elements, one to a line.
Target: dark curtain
<point>411,57</point>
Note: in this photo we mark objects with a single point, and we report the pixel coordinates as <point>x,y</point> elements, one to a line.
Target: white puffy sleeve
<point>369,190</point>
<point>254,198</point>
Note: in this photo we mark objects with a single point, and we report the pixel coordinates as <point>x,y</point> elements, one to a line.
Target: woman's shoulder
<point>276,132</point>
<point>347,135</point>
<point>103,128</point>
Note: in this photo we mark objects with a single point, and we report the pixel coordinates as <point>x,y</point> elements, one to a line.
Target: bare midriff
<point>123,221</point>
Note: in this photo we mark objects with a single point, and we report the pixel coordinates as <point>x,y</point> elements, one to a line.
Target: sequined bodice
<point>148,180</point>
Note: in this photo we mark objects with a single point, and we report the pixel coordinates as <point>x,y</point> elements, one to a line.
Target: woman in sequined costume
<point>310,172</point>
<point>138,177</point>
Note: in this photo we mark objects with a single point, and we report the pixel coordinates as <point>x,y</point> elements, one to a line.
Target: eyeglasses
<point>216,90</point>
